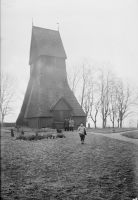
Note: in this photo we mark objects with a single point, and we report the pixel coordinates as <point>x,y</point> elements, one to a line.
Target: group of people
<point>69,124</point>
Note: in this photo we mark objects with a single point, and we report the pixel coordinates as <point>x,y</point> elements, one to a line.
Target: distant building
<point>48,99</point>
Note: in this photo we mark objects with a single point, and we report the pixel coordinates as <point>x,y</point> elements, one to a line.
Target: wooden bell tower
<point>48,99</point>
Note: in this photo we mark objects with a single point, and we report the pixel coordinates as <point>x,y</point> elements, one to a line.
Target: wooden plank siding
<point>45,122</point>
<point>60,115</point>
<point>33,122</point>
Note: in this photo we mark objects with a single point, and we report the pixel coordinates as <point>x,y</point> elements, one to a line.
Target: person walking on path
<point>71,124</point>
<point>82,132</point>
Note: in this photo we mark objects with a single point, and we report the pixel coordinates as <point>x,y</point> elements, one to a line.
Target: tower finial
<point>58,26</point>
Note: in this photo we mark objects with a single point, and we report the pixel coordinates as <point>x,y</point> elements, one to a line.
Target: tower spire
<point>32,21</point>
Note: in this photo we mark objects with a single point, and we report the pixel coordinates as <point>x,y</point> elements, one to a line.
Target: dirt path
<point>118,136</point>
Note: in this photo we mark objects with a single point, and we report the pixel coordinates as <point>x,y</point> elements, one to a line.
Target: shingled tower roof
<point>46,42</point>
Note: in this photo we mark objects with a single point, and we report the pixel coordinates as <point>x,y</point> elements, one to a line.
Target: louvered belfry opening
<point>48,99</point>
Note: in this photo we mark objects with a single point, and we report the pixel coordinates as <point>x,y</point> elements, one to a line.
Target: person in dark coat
<point>22,132</point>
<point>12,133</point>
<point>65,128</point>
<point>71,124</point>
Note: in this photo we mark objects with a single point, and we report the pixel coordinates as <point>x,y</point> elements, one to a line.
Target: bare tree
<point>8,92</point>
<point>104,98</point>
<point>105,84</point>
<point>86,104</point>
<point>94,107</point>
<point>113,111</point>
<point>79,80</point>
<point>127,99</point>
<point>85,76</point>
<point>93,99</point>
<point>73,75</point>
<point>102,91</point>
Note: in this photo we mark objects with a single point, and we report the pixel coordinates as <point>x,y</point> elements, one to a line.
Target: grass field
<point>131,135</point>
<point>63,169</point>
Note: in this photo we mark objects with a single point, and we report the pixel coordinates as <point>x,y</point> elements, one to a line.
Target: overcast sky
<point>102,30</point>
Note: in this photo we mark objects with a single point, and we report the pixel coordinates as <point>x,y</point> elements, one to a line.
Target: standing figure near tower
<point>12,133</point>
<point>65,124</point>
<point>71,124</point>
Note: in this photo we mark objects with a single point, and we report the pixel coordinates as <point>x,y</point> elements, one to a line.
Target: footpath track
<point>119,136</point>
